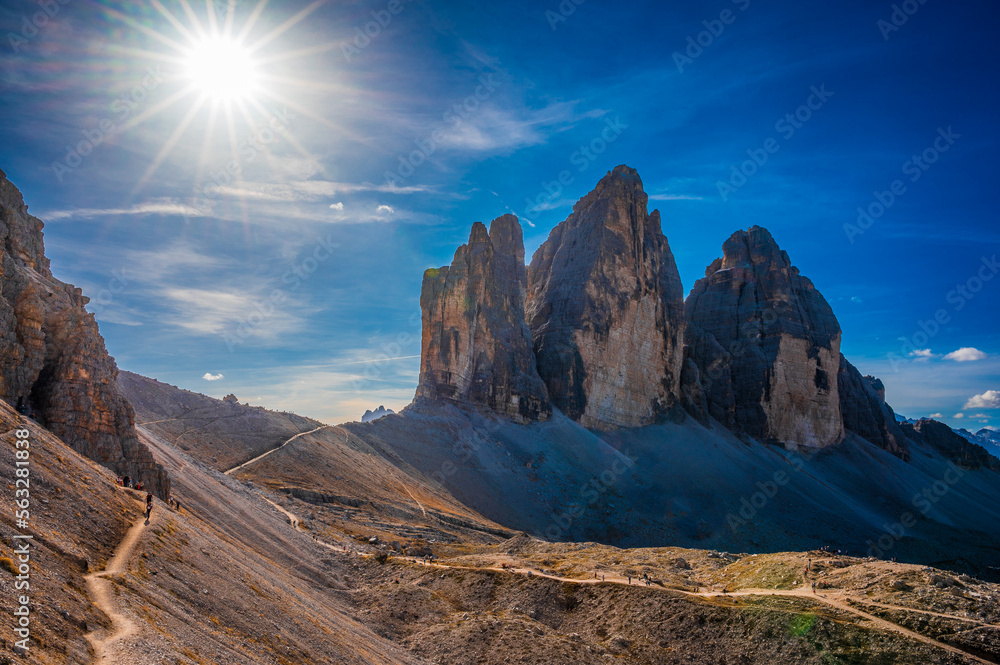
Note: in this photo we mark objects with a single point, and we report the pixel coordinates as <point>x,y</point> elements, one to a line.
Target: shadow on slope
<point>687,485</point>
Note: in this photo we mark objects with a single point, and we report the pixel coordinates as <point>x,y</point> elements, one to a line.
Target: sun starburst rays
<point>219,69</point>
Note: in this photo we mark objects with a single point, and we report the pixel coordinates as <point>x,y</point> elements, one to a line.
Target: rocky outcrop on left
<point>766,344</point>
<point>53,363</point>
<point>475,346</point>
<point>865,412</point>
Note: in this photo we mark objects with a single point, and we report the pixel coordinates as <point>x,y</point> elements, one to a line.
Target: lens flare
<point>221,69</point>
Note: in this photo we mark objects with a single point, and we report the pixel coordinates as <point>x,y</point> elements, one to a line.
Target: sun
<point>222,69</point>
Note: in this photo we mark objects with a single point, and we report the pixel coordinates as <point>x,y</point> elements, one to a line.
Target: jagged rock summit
<point>475,346</point>
<point>53,363</point>
<point>769,366</point>
<point>605,307</point>
<point>380,412</point>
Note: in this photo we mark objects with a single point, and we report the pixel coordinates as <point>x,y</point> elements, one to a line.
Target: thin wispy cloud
<point>675,197</point>
<point>161,207</point>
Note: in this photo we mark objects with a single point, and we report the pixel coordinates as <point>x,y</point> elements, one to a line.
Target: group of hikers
<point>128,482</point>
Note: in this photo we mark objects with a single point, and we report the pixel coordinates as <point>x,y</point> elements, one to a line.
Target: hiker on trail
<point>127,482</point>
<point>139,487</point>
<point>814,587</point>
<point>630,579</point>
<point>149,506</point>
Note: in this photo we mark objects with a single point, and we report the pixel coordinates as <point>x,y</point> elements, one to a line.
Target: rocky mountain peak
<point>605,309</point>
<point>766,344</point>
<point>476,346</point>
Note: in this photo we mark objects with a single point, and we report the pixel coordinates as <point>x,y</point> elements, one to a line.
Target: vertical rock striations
<point>53,358</point>
<point>767,345</point>
<point>605,306</point>
<point>862,404</point>
<point>476,346</point>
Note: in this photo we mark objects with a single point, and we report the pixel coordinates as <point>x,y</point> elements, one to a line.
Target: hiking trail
<point>100,588</point>
<point>260,457</point>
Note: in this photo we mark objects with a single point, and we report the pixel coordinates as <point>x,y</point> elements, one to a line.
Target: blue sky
<point>296,275</point>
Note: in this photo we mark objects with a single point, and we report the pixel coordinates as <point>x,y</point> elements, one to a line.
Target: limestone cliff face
<point>475,346</point>
<point>862,404</point>
<point>767,345</point>
<point>53,357</point>
<point>605,307</point>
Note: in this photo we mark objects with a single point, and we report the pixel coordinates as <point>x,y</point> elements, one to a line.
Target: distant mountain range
<point>987,438</point>
<point>380,412</point>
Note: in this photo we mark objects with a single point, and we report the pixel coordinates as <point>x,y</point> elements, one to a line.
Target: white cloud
<point>936,415</point>
<point>979,415</point>
<point>155,207</point>
<point>384,209</point>
<point>921,354</point>
<point>965,354</point>
<point>211,377</point>
<point>987,400</point>
<point>856,299</point>
<point>339,205</point>
<point>958,415</point>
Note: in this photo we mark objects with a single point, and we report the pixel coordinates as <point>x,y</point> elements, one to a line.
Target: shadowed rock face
<point>605,307</point>
<point>476,346</point>
<point>53,357</point>
<point>767,345</point>
<point>862,404</point>
<point>964,453</point>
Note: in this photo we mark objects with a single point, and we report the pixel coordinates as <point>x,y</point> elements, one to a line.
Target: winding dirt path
<point>260,457</point>
<point>837,601</point>
<point>101,587</point>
